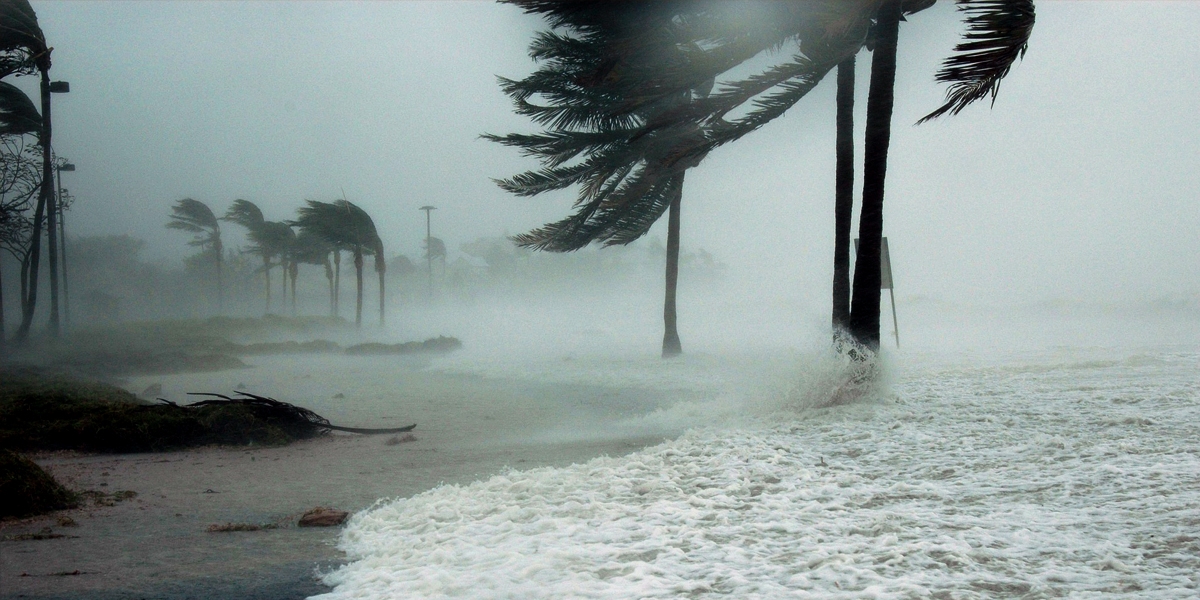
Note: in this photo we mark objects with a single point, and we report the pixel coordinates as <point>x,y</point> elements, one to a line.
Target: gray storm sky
<point>1081,182</point>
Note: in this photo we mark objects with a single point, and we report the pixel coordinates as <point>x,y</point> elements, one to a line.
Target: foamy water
<point>1072,473</point>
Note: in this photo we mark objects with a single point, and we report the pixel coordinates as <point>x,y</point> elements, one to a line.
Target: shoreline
<point>156,544</point>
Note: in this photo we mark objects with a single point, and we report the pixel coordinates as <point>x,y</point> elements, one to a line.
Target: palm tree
<point>311,249</point>
<point>196,217</point>
<point>269,239</point>
<point>343,225</point>
<point>826,32</point>
<point>23,50</point>
<point>627,178</point>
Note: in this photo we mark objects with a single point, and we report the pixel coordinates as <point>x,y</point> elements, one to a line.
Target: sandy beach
<point>156,544</point>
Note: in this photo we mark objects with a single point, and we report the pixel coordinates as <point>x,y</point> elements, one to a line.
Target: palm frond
<point>17,113</point>
<point>997,36</point>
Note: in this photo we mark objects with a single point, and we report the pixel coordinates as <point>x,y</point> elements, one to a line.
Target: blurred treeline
<point>112,281</point>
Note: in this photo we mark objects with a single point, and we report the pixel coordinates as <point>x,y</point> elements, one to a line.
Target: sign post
<point>885,282</point>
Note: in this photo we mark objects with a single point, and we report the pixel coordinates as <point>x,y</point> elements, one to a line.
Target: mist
<point>1044,250</point>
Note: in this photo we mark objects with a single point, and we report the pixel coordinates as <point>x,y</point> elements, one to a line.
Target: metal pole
<point>428,246</point>
<point>62,241</point>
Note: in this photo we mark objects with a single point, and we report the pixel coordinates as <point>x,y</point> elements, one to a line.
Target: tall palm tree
<point>342,224</point>
<point>196,217</point>
<point>590,73</point>
<point>824,32</point>
<point>269,239</point>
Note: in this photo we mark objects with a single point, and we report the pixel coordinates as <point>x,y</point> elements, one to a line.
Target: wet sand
<point>156,545</point>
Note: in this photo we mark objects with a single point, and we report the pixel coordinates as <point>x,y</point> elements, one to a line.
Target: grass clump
<point>432,345</point>
<point>26,489</point>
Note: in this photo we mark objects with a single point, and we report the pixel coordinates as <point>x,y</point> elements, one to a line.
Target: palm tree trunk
<point>295,268</point>
<point>51,208</point>
<point>267,274</point>
<point>337,281</point>
<point>671,345</point>
<point>379,268</point>
<point>329,280</point>
<point>358,271</point>
<point>843,197</point>
<point>220,284</point>
<point>283,282</point>
<point>864,309</point>
<point>39,213</point>
<point>29,298</point>
<point>2,336</point>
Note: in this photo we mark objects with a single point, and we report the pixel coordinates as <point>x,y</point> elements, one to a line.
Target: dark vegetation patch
<point>46,412</point>
<point>432,345</point>
<point>288,347</point>
<point>26,489</point>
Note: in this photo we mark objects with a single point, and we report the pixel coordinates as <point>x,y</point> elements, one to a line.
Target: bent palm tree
<point>593,77</point>
<point>343,225</point>
<point>196,217</point>
<point>269,239</point>
<point>826,32</point>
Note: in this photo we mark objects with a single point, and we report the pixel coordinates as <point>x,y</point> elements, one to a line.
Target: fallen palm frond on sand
<point>282,413</point>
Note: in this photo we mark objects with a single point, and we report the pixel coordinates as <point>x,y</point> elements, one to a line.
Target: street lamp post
<point>429,246</point>
<point>62,240</point>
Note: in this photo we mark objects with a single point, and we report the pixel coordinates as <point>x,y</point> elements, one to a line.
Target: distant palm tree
<point>196,217</point>
<point>311,249</point>
<point>270,239</point>
<point>344,225</point>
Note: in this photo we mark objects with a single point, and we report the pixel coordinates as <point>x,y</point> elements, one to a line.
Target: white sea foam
<point>1062,478</point>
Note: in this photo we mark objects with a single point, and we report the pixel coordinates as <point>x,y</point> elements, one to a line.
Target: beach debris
<point>67,522</point>
<point>283,414</point>
<point>323,517</point>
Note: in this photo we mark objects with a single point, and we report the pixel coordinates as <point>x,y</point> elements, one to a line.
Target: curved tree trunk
<point>843,197</point>
<point>381,270</point>
<point>864,309</point>
<point>671,345</point>
<point>358,271</point>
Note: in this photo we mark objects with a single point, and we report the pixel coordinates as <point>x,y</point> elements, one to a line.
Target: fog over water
<point>1042,401</point>
<point>1078,186</point>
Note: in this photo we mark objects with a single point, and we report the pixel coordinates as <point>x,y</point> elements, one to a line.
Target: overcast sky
<point>1080,183</point>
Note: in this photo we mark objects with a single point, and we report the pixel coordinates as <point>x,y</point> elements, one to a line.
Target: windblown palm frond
<point>17,113</point>
<point>244,213</point>
<point>997,36</point>
<point>196,217</point>
<point>22,42</point>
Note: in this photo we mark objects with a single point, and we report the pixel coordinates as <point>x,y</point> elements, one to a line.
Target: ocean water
<point>1061,472</point>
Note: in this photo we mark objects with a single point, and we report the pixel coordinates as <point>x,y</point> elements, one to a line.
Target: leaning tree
<point>820,34</point>
<point>596,64</point>
<point>196,217</point>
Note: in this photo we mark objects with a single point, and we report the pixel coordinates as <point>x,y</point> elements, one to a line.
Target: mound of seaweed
<point>46,412</point>
<point>25,489</point>
<point>431,346</point>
